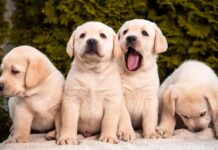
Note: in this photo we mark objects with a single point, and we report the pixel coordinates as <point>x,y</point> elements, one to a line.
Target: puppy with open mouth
<point>141,41</point>
<point>93,99</point>
<point>190,93</point>
<point>35,89</point>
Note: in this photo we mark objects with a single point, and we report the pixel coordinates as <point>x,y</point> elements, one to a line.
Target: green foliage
<point>191,27</point>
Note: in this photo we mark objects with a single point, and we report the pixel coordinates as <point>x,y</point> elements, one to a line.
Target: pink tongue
<point>132,61</point>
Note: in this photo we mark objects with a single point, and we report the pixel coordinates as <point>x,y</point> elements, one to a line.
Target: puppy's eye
<point>0,72</point>
<point>144,33</point>
<point>102,35</point>
<point>186,117</point>
<point>125,31</point>
<point>15,71</point>
<point>203,114</point>
<point>82,35</point>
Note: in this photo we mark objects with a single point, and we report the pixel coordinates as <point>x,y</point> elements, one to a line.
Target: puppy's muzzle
<point>131,39</point>
<point>91,48</point>
<point>197,129</point>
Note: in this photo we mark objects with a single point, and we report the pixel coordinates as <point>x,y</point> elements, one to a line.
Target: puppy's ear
<point>170,97</point>
<point>211,97</point>
<point>70,45</point>
<point>38,69</point>
<point>117,52</point>
<point>160,42</point>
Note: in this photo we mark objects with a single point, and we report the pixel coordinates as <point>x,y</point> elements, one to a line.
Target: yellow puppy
<point>141,41</point>
<point>191,92</point>
<point>35,87</point>
<point>93,99</point>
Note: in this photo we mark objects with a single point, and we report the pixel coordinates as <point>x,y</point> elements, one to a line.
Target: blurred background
<point>191,28</point>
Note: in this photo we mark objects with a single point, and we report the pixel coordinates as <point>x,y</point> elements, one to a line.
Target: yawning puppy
<point>35,87</point>
<point>93,97</point>
<point>141,41</point>
<point>190,92</point>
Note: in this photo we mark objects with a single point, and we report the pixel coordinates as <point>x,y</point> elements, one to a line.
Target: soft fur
<point>191,92</point>
<point>140,87</point>
<point>35,87</point>
<point>93,100</point>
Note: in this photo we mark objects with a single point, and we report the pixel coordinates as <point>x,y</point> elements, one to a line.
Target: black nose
<point>1,86</point>
<point>197,129</point>
<point>131,38</point>
<point>91,41</point>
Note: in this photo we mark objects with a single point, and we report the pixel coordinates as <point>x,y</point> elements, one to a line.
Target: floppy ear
<point>160,42</point>
<point>212,99</point>
<point>70,45</point>
<point>117,52</point>
<point>38,69</point>
<point>169,100</point>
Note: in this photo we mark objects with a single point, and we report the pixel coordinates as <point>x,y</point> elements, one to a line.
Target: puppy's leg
<point>125,130</point>
<point>150,117</point>
<point>22,125</point>
<point>110,121</point>
<point>167,125</point>
<point>69,121</point>
<point>54,134</point>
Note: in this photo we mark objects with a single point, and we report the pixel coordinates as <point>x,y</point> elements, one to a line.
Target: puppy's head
<point>140,39</point>
<point>93,42</point>
<point>191,104</point>
<point>22,68</point>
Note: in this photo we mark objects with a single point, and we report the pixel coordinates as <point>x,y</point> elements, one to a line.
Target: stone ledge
<point>183,139</point>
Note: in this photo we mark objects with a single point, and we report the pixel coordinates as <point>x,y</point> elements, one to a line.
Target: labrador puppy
<point>141,41</point>
<point>191,93</point>
<point>93,99</point>
<point>35,89</point>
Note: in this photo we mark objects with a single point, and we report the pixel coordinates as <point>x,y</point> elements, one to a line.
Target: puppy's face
<point>92,41</point>
<point>23,68</point>
<point>12,80</point>
<point>193,108</point>
<point>139,40</point>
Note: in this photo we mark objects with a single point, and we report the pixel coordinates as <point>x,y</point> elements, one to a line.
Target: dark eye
<point>203,114</point>
<point>102,35</point>
<point>186,117</point>
<point>82,35</point>
<point>0,72</point>
<point>125,31</point>
<point>144,33</point>
<point>15,71</point>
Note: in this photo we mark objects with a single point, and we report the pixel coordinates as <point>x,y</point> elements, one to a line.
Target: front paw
<point>17,139</point>
<point>151,135</point>
<point>51,135</point>
<point>125,134</point>
<point>67,141</point>
<point>108,139</point>
<point>164,133</point>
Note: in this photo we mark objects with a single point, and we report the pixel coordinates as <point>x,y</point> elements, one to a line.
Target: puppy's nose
<point>131,38</point>
<point>91,41</point>
<point>1,86</point>
<point>197,129</point>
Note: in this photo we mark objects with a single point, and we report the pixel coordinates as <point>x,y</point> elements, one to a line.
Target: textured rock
<point>183,139</point>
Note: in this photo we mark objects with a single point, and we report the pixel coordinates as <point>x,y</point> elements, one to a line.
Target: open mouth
<point>133,59</point>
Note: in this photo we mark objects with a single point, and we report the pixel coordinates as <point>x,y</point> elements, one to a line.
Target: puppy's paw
<point>126,135</point>
<point>67,141</point>
<point>151,135</point>
<point>51,135</point>
<point>17,139</point>
<point>108,139</point>
<point>164,133</point>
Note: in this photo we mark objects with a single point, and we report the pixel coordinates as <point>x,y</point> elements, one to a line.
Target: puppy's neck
<point>97,66</point>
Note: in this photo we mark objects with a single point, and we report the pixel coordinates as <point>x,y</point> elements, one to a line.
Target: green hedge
<point>191,27</point>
